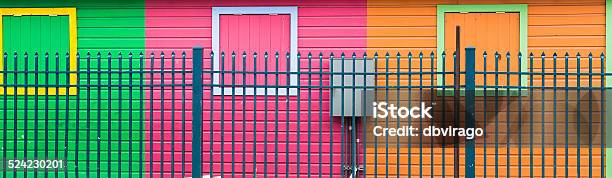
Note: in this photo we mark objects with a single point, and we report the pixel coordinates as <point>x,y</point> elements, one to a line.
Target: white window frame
<point>293,80</point>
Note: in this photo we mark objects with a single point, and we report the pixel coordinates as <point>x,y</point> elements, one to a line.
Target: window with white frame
<point>250,30</point>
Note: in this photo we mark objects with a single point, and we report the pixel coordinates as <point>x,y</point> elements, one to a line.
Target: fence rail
<point>265,114</point>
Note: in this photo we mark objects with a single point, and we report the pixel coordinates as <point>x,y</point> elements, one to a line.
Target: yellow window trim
<point>71,13</point>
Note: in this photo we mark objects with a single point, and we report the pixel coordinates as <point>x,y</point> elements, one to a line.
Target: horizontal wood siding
<point>102,26</point>
<point>553,26</point>
<point>323,26</point>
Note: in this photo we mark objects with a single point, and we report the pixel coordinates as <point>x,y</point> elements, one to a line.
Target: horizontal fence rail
<point>270,114</point>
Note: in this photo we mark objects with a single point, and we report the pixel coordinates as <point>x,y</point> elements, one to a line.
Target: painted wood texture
<point>323,26</point>
<point>489,32</point>
<point>35,34</point>
<point>261,34</point>
<point>553,26</point>
<point>110,26</point>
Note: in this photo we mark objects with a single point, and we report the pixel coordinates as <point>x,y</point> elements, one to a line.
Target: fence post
<point>197,113</point>
<point>470,120</point>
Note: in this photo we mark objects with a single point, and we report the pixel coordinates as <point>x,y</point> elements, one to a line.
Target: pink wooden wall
<point>323,26</point>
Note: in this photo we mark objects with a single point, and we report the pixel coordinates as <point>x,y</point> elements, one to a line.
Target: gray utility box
<point>363,97</point>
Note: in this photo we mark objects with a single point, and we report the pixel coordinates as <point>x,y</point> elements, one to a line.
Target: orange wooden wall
<point>553,26</point>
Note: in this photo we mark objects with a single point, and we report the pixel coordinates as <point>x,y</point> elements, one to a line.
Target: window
<point>38,30</point>
<point>506,30</point>
<point>260,30</point>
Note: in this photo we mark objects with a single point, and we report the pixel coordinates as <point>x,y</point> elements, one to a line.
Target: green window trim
<point>520,8</point>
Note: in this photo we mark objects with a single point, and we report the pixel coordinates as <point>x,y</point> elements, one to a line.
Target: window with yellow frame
<point>41,30</point>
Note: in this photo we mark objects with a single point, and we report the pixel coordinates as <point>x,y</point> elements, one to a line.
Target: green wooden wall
<point>102,26</point>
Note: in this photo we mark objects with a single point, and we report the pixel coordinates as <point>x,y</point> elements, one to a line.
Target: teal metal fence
<point>276,115</point>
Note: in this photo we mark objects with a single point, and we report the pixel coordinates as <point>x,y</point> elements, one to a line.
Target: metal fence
<point>310,115</point>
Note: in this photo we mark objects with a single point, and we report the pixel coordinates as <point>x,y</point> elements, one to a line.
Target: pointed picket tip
<point>432,53</point>
<point>162,53</point>
<point>331,55</point>
<point>375,54</point>
<point>520,55</point>
<point>508,53</point>
<point>420,54</point>
<point>109,54</point>
<point>496,53</point>
<point>602,55</point>
<point>590,54</point>
<point>130,54</point>
<point>266,54</point>
<point>173,54</point>
<point>555,54</point>
<point>531,54</point>
<point>398,54</point>
<point>484,53</point>
<point>409,54</point>
<point>184,54</point>
<point>566,54</point>
<point>309,54</point>
<point>578,55</point>
<point>365,54</point>
<point>444,53</point>
<point>120,54</point>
